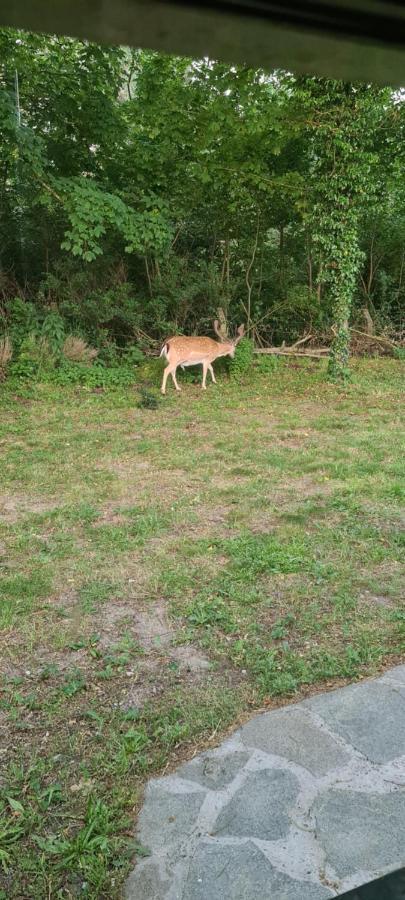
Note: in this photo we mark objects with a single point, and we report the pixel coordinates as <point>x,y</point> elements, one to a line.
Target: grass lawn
<point>166,572</point>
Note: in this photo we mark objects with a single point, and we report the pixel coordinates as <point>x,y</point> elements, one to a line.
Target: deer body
<point>195,351</point>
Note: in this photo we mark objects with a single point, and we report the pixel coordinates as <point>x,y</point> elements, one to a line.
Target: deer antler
<point>217,329</point>
<point>241,333</point>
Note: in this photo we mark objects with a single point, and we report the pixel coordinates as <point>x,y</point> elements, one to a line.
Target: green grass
<point>257,528</point>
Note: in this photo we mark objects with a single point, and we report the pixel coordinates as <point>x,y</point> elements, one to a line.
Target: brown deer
<point>197,351</point>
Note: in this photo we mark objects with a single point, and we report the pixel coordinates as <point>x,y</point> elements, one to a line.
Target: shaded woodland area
<point>141,192</point>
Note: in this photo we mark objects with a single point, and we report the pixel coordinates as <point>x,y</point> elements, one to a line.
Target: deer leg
<point>211,371</point>
<point>173,374</point>
<point>165,376</point>
<point>204,378</point>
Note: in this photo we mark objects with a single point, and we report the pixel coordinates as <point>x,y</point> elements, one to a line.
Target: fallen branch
<point>304,354</point>
<point>374,337</point>
<point>302,340</point>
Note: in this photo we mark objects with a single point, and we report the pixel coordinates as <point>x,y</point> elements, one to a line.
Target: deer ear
<point>240,332</point>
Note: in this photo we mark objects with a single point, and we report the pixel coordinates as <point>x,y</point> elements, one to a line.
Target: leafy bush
<point>133,356</point>
<point>53,331</point>
<point>35,357</point>
<point>22,319</point>
<point>96,376</point>
<point>243,359</point>
<point>266,363</point>
<point>152,370</point>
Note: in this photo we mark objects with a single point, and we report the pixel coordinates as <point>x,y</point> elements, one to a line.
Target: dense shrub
<point>242,362</point>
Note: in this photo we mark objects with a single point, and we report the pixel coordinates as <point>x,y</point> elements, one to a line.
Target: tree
<point>344,128</point>
<point>140,190</point>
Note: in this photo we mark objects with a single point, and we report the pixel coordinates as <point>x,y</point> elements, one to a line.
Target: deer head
<point>219,331</point>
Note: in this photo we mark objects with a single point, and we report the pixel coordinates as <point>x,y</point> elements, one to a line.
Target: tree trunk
<point>281,259</point>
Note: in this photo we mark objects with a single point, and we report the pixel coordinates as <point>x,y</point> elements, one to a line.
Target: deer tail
<point>165,349</point>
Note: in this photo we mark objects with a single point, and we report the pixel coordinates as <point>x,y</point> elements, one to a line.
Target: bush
<point>133,356</point>
<point>266,363</point>
<point>96,376</point>
<point>152,370</point>
<point>243,359</point>
<point>22,319</point>
<point>75,349</point>
<point>35,356</point>
<point>53,331</point>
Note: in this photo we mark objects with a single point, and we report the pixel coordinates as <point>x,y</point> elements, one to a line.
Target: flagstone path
<point>301,803</point>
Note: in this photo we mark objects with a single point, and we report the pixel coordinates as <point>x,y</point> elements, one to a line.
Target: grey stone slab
<point>361,832</point>
<point>147,883</point>
<point>213,771</point>
<point>167,818</point>
<point>359,817</point>
<point>370,716</point>
<point>260,808</point>
<point>219,871</point>
<point>396,674</point>
<point>289,733</point>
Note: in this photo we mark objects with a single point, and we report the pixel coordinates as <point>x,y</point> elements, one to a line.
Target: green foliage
<point>242,362</point>
<point>12,828</point>
<point>95,376</point>
<point>142,192</point>
<point>213,611</point>
<point>346,179</point>
<point>266,363</point>
<point>35,358</point>
<point>92,211</point>
<point>133,356</point>
<point>94,840</point>
<point>22,319</point>
<point>147,400</point>
<point>53,332</point>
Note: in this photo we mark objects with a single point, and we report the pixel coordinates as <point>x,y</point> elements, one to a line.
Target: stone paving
<point>301,803</point>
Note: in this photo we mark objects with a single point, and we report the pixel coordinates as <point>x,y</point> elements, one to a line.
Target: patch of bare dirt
<point>306,486</point>
<point>223,482</point>
<point>152,626</point>
<point>14,506</point>
<point>162,659</point>
<point>378,599</point>
<point>210,520</point>
<point>138,479</point>
<point>190,659</point>
<point>292,440</point>
<point>65,600</point>
<point>108,517</point>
